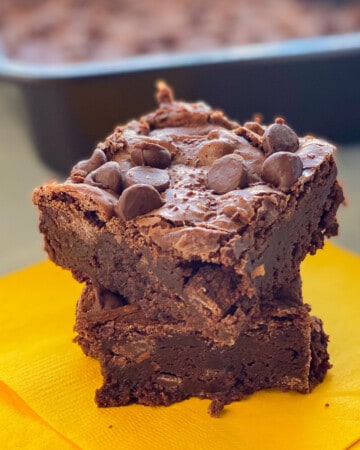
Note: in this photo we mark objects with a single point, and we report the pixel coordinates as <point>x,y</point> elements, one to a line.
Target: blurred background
<point>42,110</point>
<point>81,30</point>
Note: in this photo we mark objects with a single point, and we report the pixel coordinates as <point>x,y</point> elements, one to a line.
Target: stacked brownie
<point>189,230</point>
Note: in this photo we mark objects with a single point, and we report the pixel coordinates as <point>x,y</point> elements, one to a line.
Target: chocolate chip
<point>282,170</point>
<point>124,165</point>
<point>137,200</point>
<point>279,138</point>
<point>97,159</point>
<point>157,178</point>
<point>150,154</point>
<point>107,176</point>
<point>226,174</point>
<point>214,149</point>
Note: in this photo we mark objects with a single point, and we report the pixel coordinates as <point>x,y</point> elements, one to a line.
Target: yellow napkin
<point>47,385</point>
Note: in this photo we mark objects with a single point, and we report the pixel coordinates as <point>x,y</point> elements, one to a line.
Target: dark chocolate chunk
<point>157,178</point>
<point>107,176</point>
<point>226,174</point>
<point>97,159</point>
<point>137,200</point>
<point>282,169</point>
<point>280,138</point>
<point>150,154</point>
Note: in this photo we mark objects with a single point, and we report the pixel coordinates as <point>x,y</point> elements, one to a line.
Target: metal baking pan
<point>314,83</point>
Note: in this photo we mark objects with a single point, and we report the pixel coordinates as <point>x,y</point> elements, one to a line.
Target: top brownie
<point>193,216</point>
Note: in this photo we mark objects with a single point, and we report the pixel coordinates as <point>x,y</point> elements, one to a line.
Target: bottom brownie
<point>155,363</point>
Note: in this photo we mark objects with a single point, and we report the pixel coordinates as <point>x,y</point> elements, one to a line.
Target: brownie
<point>49,31</point>
<point>157,362</point>
<point>194,217</point>
<point>189,230</point>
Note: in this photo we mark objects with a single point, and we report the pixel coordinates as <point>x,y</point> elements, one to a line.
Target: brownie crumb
<point>164,93</point>
<point>216,407</point>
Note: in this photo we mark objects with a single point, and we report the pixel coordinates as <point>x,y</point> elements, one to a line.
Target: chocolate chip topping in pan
<point>150,154</point>
<point>279,138</point>
<point>226,174</point>
<point>157,178</point>
<point>137,200</point>
<point>97,159</point>
<point>107,176</point>
<point>282,169</point>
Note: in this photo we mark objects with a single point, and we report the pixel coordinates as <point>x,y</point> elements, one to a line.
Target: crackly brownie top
<point>185,174</point>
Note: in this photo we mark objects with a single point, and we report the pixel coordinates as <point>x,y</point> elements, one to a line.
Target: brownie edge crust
<point>157,363</point>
